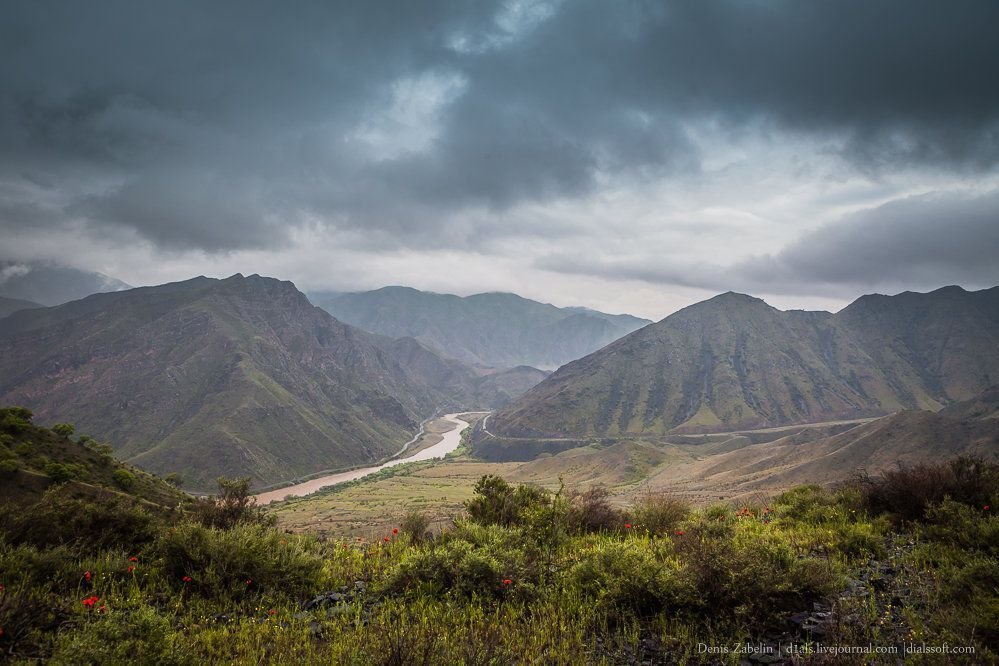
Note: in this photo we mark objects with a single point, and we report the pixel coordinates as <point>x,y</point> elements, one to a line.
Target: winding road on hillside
<point>449,442</point>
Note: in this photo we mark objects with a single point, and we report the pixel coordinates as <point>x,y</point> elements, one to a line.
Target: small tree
<point>123,479</point>
<point>232,505</point>
<point>63,430</point>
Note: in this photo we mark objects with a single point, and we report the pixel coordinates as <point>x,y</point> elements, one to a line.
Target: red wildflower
<point>133,559</point>
<point>86,576</point>
<point>387,539</point>
<point>985,508</point>
<point>249,581</point>
<point>2,588</point>
<point>131,569</point>
<point>90,601</point>
<point>272,612</point>
<point>187,579</point>
<point>507,581</point>
<point>627,526</point>
<point>395,530</point>
<point>679,532</point>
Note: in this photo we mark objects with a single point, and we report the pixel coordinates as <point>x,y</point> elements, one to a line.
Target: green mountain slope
<point>495,329</point>
<point>735,362</point>
<point>235,377</point>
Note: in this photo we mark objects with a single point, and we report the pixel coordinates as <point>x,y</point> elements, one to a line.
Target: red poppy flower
<point>395,530</point>
<point>133,559</point>
<point>679,532</point>
<point>131,569</point>
<point>249,581</point>
<point>187,579</point>
<point>386,539</point>
<point>985,508</point>
<point>90,601</point>
<point>86,576</point>
<point>272,612</point>
<point>627,526</point>
<point>507,581</point>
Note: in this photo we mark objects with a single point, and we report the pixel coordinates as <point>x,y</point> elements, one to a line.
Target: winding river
<point>449,442</point>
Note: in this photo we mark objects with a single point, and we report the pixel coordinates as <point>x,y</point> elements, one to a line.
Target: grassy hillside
<point>10,305</point>
<point>235,377</point>
<point>522,575</point>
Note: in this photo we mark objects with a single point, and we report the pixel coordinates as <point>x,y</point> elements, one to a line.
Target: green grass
<point>524,575</point>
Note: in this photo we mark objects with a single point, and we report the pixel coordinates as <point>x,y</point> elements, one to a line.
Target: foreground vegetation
<point>525,576</point>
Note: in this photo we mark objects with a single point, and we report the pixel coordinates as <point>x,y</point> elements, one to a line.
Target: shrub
<point>414,525</point>
<point>107,521</point>
<point>135,636</point>
<point>174,479</point>
<point>8,467</point>
<point>660,513</point>
<point>123,479</point>
<point>220,561</point>
<point>232,506</point>
<point>496,502</point>
<point>627,576</point>
<point>63,429</point>
<point>908,492</point>
<point>63,472</point>
<point>591,511</point>
<point>456,566</point>
<point>15,419</point>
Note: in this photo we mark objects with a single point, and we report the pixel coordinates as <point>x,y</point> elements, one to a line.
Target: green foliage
<point>496,502</point>
<point>909,492</point>
<point>123,479</point>
<point>591,511</point>
<point>174,479</point>
<point>62,472</point>
<point>220,561</point>
<point>660,513</point>
<point>107,521</point>
<point>415,525</point>
<point>132,636</point>
<point>15,420</point>
<point>8,467</point>
<point>628,576</point>
<point>232,506</point>
<point>63,429</point>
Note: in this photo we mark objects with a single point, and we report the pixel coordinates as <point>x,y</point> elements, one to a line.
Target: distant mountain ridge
<point>241,377</point>
<point>735,362</point>
<point>51,284</point>
<point>10,305</point>
<point>491,329</point>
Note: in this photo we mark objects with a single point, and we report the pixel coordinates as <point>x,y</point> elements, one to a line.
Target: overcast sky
<point>628,156</point>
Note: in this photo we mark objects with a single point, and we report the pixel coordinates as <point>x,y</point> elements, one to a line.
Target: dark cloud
<point>919,242</point>
<point>219,125</point>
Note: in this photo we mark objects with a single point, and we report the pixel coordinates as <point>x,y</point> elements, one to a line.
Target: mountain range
<point>735,362</point>
<point>493,330</point>
<point>52,284</point>
<point>236,377</point>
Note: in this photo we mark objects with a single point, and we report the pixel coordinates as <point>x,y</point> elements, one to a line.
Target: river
<point>449,442</point>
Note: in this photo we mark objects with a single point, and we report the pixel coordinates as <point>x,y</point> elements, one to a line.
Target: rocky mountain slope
<point>735,362</point>
<point>493,330</point>
<point>241,377</point>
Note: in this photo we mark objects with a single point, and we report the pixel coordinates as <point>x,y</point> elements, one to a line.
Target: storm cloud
<point>806,134</point>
